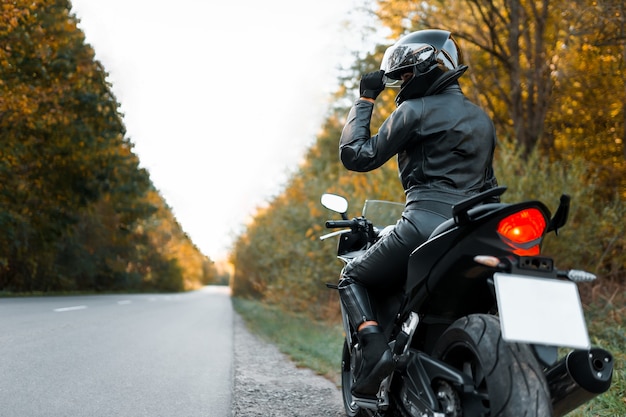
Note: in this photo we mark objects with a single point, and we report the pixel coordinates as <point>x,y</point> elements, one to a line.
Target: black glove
<point>372,84</point>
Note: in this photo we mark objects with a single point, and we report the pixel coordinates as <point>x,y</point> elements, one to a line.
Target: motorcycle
<point>479,327</point>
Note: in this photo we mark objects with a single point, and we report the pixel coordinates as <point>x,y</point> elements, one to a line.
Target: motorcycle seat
<point>473,213</point>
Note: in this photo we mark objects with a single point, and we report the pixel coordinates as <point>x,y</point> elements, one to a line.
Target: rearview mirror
<point>335,203</point>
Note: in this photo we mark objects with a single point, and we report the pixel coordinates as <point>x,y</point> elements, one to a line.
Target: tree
<point>590,94</point>
<point>509,45</point>
<point>551,73</point>
<point>76,209</point>
<point>532,85</point>
<point>58,120</point>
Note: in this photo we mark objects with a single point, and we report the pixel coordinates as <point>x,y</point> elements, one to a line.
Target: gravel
<point>268,384</point>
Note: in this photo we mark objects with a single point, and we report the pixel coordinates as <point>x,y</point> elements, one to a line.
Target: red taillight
<point>523,231</point>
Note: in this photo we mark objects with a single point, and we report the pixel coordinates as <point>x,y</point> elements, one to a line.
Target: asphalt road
<point>117,355</point>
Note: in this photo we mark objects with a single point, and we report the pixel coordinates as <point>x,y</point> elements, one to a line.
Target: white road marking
<point>63,309</point>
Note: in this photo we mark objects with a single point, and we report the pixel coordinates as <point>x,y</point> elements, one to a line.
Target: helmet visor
<point>407,58</point>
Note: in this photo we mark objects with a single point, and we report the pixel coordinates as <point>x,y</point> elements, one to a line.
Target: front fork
<point>346,326</point>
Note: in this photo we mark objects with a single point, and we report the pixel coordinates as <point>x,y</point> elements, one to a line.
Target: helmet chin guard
<point>428,84</point>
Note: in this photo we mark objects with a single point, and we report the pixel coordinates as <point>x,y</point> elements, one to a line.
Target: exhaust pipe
<point>579,377</point>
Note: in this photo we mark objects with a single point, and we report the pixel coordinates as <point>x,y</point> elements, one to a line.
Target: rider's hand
<point>372,84</point>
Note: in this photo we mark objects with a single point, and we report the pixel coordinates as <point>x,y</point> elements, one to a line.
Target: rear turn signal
<point>523,231</point>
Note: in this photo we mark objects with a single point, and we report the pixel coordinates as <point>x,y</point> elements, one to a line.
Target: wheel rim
<point>448,399</point>
<point>352,409</point>
<point>346,388</point>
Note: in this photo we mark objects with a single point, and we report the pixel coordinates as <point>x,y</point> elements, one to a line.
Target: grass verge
<point>317,346</point>
<point>309,344</point>
<point>606,328</point>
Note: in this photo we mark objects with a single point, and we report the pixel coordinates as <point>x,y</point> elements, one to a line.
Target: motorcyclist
<point>444,146</point>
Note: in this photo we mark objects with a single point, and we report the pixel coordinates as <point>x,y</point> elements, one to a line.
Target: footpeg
<point>368,403</point>
<point>378,403</point>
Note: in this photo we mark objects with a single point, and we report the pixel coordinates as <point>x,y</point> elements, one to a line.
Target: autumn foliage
<point>77,212</point>
<point>552,75</point>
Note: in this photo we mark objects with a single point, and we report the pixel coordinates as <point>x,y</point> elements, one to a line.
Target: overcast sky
<point>221,99</point>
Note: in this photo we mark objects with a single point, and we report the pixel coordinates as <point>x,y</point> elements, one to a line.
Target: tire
<point>352,410</point>
<point>509,380</point>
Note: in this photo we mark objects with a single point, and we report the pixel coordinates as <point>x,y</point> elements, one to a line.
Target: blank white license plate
<point>541,311</point>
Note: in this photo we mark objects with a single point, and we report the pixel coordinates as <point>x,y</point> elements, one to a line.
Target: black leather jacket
<point>444,143</point>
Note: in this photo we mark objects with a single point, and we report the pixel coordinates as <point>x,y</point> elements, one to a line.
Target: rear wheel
<point>508,379</point>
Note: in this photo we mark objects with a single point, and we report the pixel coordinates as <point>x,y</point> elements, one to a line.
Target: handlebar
<point>359,226</point>
<point>338,224</point>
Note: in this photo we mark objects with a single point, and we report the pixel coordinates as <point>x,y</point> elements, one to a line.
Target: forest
<point>552,76</point>
<point>77,211</point>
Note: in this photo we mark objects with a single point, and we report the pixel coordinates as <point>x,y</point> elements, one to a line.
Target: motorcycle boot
<point>375,362</point>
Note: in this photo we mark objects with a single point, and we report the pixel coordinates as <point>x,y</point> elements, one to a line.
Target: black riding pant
<point>383,267</point>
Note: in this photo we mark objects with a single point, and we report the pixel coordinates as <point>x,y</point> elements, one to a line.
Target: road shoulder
<point>267,383</point>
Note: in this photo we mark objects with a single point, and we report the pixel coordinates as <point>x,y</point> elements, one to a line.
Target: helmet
<point>433,57</point>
